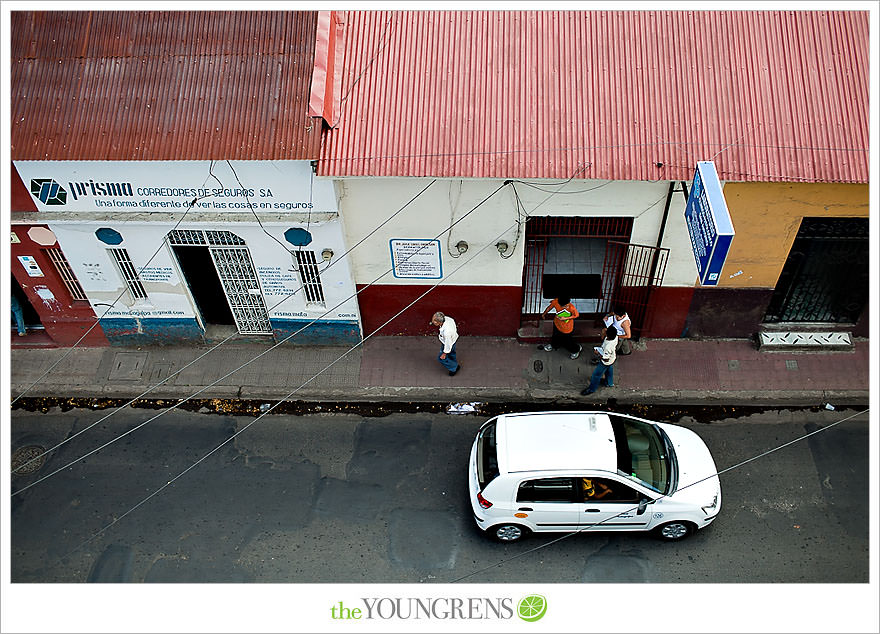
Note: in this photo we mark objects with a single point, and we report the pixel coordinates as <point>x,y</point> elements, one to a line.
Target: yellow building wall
<point>766,218</point>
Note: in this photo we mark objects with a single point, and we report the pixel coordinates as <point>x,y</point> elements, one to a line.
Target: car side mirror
<point>643,505</point>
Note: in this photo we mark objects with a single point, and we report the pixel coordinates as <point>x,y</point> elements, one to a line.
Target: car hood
<point>697,475</point>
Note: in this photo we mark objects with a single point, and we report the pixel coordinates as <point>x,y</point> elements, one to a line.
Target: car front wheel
<point>674,531</point>
<point>508,532</point>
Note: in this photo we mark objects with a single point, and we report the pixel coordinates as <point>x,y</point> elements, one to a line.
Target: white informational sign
<point>176,186</point>
<point>30,265</point>
<point>709,223</point>
<point>416,258</point>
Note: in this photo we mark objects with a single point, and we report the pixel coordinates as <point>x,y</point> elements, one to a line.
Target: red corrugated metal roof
<point>162,85</point>
<point>770,96</point>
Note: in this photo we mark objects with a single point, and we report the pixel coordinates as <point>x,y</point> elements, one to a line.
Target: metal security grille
<point>223,238</point>
<point>186,237</point>
<point>197,237</point>
<point>311,277</point>
<point>825,278</point>
<point>63,267</point>
<point>540,230</point>
<point>533,274</point>
<point>239,280</point>
<point>129,273</point>
<point>579,227</point>
<point>630,274</point>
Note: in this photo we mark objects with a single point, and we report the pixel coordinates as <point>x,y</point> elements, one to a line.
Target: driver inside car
<point>594,489</point>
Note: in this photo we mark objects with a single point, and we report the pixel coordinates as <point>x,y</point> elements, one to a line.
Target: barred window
<point>129,274</point>
<point>311,277</point>
<point>65,272</point>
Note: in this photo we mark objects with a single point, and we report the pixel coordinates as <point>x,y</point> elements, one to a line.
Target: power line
<point>156,492</point>
<point>227,339</point>
<point>124,290</point>
<point>312,378</point>
<point>635,508</point>
<point>265,352</point>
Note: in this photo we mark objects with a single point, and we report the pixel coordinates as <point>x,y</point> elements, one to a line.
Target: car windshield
<point>487,455</point>
<point>642,453</point>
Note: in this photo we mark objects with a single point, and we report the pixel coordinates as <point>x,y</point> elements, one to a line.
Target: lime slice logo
<point>532,608</point>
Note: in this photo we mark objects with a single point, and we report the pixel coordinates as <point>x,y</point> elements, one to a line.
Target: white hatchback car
<point>578,471</point>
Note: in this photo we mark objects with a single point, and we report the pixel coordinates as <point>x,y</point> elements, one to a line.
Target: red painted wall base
<point>489,311</point>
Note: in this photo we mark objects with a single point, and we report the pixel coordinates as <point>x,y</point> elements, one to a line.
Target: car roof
<point>549,441</point>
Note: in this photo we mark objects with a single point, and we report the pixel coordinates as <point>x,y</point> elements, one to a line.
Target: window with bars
<point>311,277</point>
<point>66,273</point>
<point>129,273</point>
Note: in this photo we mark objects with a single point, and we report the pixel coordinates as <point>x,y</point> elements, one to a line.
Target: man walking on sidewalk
<point>448,337</point>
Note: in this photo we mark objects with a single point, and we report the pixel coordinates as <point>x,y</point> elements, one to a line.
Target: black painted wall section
<point>739,313</point>
<point>862,327</point>
<point>727,312</point>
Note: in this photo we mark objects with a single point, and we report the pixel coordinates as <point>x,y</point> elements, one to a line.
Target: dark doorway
<point>31,318</point>
<point>204,284</point>
<point>825,278</point>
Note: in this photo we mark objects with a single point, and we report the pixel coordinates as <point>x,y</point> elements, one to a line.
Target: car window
<point>487,455</point>
<point>547,490</point>
<point>641,453</point>
<point>606,490</point>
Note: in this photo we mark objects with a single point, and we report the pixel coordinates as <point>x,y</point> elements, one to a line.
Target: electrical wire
<point>635,508</point>
<point>121,294</point>
<point>261,415</point>
<point>254,211</point>
<point>297,389</point>
<point>265,352</point>
<point>579,191</point>
<point>230,337</point>
<point>382,44</point>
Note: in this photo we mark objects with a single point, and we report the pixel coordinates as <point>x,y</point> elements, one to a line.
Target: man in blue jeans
<point>448,337</point>
<point>607,356</point>
<point>18,314</point>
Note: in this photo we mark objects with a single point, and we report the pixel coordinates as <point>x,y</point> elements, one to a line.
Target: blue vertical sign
<point>708,223</point>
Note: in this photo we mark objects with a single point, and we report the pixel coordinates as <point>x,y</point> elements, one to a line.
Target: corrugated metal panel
<point>770,96</point>
<point>149,85</point>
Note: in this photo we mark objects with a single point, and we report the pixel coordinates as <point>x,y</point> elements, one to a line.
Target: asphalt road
<point>345,499</point>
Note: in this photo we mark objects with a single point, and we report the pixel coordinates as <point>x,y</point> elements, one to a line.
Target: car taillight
<point>483,501</point>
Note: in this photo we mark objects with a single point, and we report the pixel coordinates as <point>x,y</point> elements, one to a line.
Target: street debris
<point>464,408</point>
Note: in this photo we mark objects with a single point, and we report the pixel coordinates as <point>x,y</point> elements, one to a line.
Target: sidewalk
<point>674,371</point>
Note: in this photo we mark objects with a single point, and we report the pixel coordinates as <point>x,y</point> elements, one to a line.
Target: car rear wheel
<point>674,531</point>
<point>508,532</point>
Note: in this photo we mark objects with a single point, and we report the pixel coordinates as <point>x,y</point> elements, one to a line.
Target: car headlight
<point>711,507</point>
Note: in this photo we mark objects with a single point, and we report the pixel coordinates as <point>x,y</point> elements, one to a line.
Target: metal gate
<point>237,276</point>
<point>630,274</point>
<point>825,278</point>
<point>540,230</point>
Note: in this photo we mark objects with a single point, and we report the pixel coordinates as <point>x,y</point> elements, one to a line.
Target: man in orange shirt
<point>563,326</point>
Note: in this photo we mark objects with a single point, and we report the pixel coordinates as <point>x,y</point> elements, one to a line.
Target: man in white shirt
<point>448,337</point>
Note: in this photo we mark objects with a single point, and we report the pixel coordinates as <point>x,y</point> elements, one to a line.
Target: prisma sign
<point>708,223</point>
<point>176,186</point>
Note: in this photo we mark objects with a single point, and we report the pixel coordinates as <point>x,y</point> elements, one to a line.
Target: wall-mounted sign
<point>30,265</point>
<point>176,186</point>
<point>416,258</point>
<point>708,223</point>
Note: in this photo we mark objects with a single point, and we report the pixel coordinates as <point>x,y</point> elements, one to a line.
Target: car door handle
<point>592,511</point>
<point>525,508</point>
